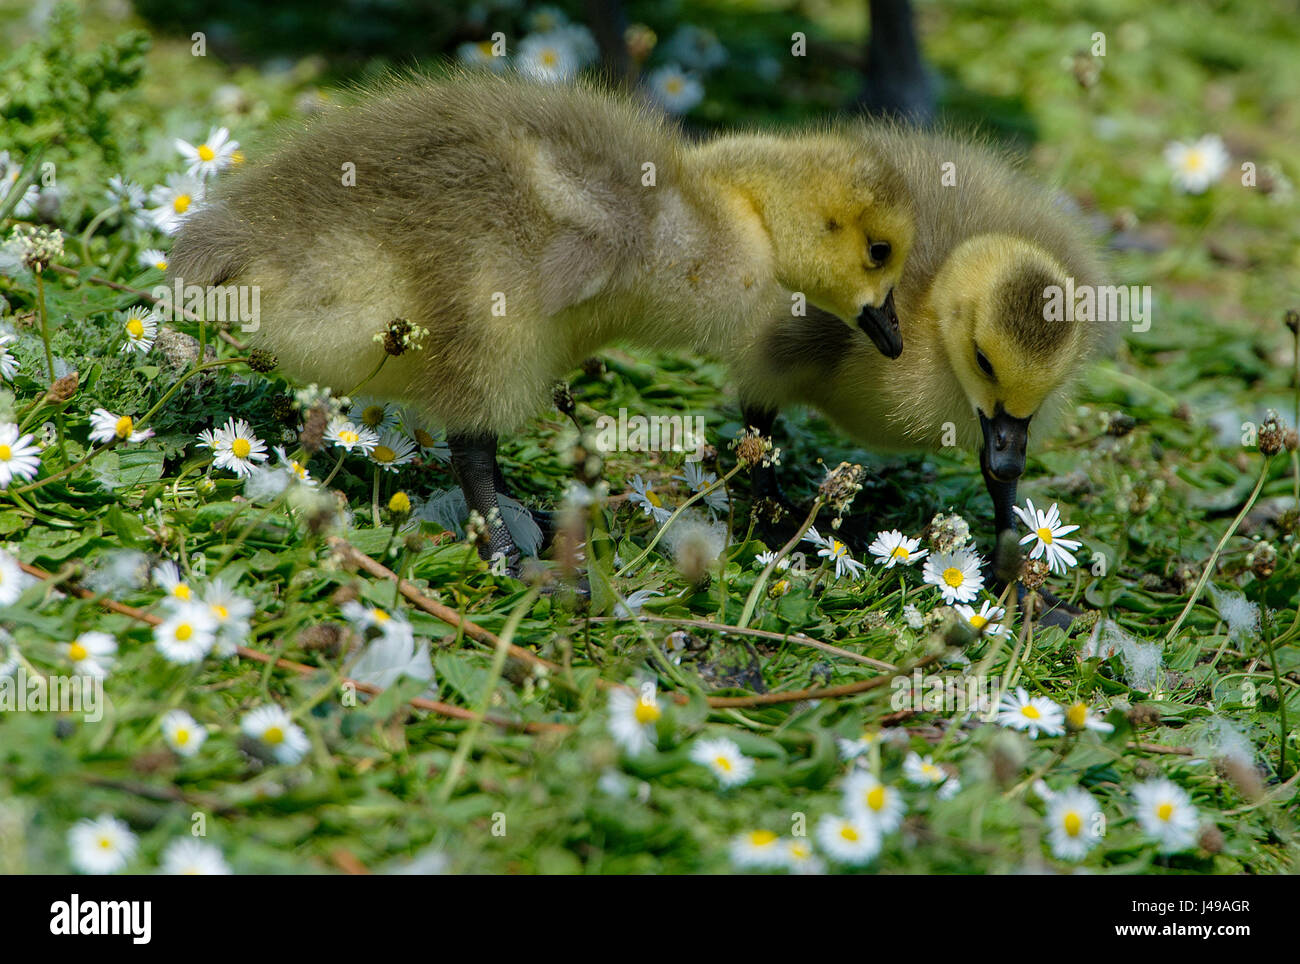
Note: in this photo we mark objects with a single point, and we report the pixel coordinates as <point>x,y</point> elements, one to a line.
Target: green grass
<point>384,782</point>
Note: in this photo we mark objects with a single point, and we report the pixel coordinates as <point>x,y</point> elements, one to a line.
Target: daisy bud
<point>261,360</point>
<point>414,543</point>
<point>399,504</point>
<point>640,40</point>
<point>63,388</point>
<point>1271,434</point>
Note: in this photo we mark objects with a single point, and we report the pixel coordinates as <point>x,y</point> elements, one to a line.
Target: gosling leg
<point>474,460</point>
<point>763,479</point>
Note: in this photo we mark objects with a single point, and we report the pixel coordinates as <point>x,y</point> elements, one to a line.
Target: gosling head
<point>989,298</point>
<point>842,236</point>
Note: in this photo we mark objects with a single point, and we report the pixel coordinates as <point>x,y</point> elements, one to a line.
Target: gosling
<point>525,226</point>
<point>982,361</point>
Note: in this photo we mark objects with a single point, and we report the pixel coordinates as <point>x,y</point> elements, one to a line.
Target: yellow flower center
<point>160,265</point>
<point>722,763</point>
<point>182,203</point>
<point>373,416</point>
<point>6,453</point>
<point>182,737</point>
<point>273,735</point>
<point>1046,535</point>
<point>876,798</point>
<point>379,616</point>
<point>647,711</point>
<point>184,631</point>
<point>800,851</point>
<point>900,552</point>
<point>206,153</point>
<point>124,426</point>
<point>762,838</point>
<point>848,833</point>
<point>383,453</point>
<point>953,576</point>
<point>978,621</point>
<point>181,591</point>
<point>1030,712</point>
<point>1193,161</point>
<point>1077,716</point>
<point>425,439</point>
<point>105,843</point>
<point>1073,824</point>
<point>550,58</point>
<point>673,85</point>
<point>349,437</point>
<point>652,498</point>
<point>135,328</point>
<point>399,503</point>
<point>77,652</point>
<point>930,770</point>
<point>1165,811</point>
<point>236,157</point>
<point>837,548</point>
<point>240,448</point>
<point>221,612</point>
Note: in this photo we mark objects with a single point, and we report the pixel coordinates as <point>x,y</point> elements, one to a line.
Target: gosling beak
<point>881,326</point>
<point>1004,444</point>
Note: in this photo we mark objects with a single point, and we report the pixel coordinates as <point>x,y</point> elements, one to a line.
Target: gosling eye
<point>985,365</point>
<point>878,252</point>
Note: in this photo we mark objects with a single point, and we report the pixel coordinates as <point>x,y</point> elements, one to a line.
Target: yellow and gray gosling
<point>525,226</point>
<point>981,359</point>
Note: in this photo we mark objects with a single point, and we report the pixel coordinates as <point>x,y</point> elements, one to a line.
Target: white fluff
<point>1241,615</point>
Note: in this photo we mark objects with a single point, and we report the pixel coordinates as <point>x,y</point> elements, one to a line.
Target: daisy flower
<point>187,635</point>
<point>1079,717</point>
<point>1166,814</point>
<point>297,469</point>
<point>800,858</point>
<point>101,846</point>
<point>12,579</point>
<point>480,55</point>
<point>674,89</point>
<point>107,427</point>
<point>922,771</point>
<point>763,559</point>
<point>8,364</point>
<point>1033,714</point>
<point>1197,164</point>
<point>631,606</point>
<point>140,326</point>
<point>724,758</point>
<point>1074,824</point>
<point>232,614</point>
<point>365,619</point>
<point>549,57</point>
<point>271,727</point>
<point>892,547</point>
<point>167,577</point>
<point>393,451</point>
<point>758,849</point>
<point>632,718</point>
<point>92,654</point>
<point>153,258</point>
<point>985,620</point>
<point>8,655</point>
<point>186,856</point>
<point>183,734</point>
<point>867,798</point>
<point>213,155</point>
<point>837,552</point>
<point>350,436</point>
<point>237,448</point>
<point>957,574</point>
<point>699,480</point>
<point>646,497</point>
<point>19,459</point>
<point>848,840</point>
<point>127,195</point>
<point>174,202</point>
<point>374,414</point>
<point>852,749</point>
<point>10,171</point>
<point>1047,530</point>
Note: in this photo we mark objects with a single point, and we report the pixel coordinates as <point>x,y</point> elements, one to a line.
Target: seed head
<point>841,484</point>
<point>753,448</point>
<point>63,388</point>
<point>402,336</point>
<point>562,395</point>
<point>37,247</point>
<point>261,360</point>
<point>1034,573</point>
<point>1272,434</point>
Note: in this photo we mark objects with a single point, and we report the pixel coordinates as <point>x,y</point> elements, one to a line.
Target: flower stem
<point>751,601</point>
<point>695,497</point>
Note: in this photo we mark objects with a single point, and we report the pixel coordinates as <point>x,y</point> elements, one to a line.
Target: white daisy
<point>375,621</point>
<point>763,559</point>
<point>800,857</point>
<point>1047,530</point>
<point>232,614</point>
<point>12,579</point>
<point>174,202</point>
<point>674,89</point>
<point>107,427</point>
<point>393,451</point>
<point>1197,164</point>
<point>237,448</point>
<point>875,802</point>
<point>699,480</point>
<point>1166,814</point>
<point>549,57</point>
<point>101,846</point>
<point>759,849</point>
<point>182,733</point>
<point>956,574</point>
<point>375,414</point>
<point>724,758</point>
<point>187,635</point>
<point>272,727</point>
<point>213,155</point>
<point>1078,716</point>
<point>922,771</point>
<point>1033,714</point>
<point>480,55</point>
<point>92,654</point>
<point>167,577</point>
<point>647,498</point>
<point>140,326</point>
<point>350,436</point>
<point>837,552</point>
<point>297,469</point>
<point>126,194</point>
<point>892,547</point>
<point>19,459</point>
<point>632,718</point>
<point>848,840</point>
<point>1074,824</point>
<point>153,258</point>
<point>186,856</point>
<point>986,620</point>
<point>852,749</point>
<point>8,364</point>
<point>631,606</point>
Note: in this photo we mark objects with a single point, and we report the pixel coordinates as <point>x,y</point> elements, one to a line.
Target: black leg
<point>474,460</point>
<point>763,479</point>
<point>895,82</point>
